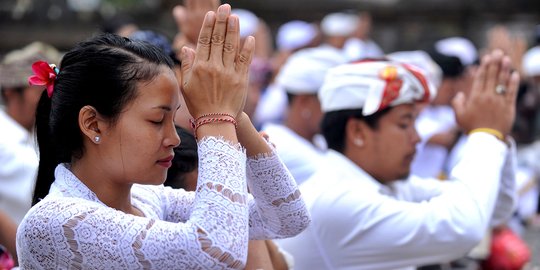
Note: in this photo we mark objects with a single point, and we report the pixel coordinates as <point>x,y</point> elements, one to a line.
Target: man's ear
<point>90,123</point>
<point>356,132</point>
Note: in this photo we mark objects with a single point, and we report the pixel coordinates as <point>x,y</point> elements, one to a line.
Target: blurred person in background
<point>436,124</point>
<point>291,37</point>
<point>8,230</point>
<point>121,24</point>
<point>183,173</point>
<point>336,29</point>
<point>360,45</point>
<point>530,154</point>
<point>367,211</point>
<point>18,153</point>
<point>301,77</point>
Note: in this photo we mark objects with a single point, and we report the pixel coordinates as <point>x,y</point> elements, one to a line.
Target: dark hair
<point>537,36</point>
<point>158,40</point>
<point>333,125</point>
<point>101,72</point>
<point>186,159</point>
<point>451,66</point>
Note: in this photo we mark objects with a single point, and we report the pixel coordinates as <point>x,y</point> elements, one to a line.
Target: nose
<point>415,139</point>
<point>172,139</point>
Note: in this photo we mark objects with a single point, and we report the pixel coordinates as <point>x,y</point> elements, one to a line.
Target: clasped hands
<point>215,74</point>
<point>490,104</point>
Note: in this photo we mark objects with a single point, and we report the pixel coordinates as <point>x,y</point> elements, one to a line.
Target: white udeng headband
<point>373,85</point>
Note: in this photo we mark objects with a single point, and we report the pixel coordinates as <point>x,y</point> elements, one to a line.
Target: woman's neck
<point>110,191</point>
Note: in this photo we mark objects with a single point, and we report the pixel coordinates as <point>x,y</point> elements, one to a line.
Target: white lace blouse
<point>207,229</point>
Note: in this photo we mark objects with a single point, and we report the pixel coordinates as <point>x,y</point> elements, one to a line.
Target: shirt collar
<point>359,173</point>
<point>66,184</point>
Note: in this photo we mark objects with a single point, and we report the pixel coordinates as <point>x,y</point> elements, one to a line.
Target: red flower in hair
<point>44,74</point>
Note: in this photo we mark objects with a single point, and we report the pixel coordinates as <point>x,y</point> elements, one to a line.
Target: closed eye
<point>405,125</point>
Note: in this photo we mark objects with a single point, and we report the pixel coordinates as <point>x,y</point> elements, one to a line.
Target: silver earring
<point>358,142</point>
<point>97,139</point>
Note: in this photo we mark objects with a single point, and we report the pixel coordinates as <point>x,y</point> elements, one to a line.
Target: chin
<point>155,180</point>
<point>404,176</point>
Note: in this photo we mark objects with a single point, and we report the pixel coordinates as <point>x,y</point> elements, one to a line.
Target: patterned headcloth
<point>373,85</point>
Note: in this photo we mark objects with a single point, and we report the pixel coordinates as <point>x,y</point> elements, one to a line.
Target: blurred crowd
<point>284,102</point>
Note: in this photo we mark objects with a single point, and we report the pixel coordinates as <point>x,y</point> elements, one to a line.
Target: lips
<point>166,162</point>
<point>410,157</point>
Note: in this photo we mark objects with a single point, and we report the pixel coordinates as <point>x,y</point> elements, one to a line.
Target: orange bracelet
<point>195,124</point>
<point>491,131</point>
<point>213,114</point>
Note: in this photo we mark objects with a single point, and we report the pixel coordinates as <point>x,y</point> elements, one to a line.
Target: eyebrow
<point>408,116</point>
<point>165,108</point>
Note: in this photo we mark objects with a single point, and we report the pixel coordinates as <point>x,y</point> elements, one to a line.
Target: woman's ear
<point>90,123</point>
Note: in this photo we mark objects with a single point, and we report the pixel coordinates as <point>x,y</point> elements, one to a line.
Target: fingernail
<point>210,17</point>
<point>183,52</point>
<point>223,11</point>
<point>232,21</point>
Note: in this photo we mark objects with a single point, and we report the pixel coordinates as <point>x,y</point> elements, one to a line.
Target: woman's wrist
<point>216,125</point>
<point>217,129</point>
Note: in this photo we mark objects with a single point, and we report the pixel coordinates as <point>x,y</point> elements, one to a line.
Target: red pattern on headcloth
<point>373,85</point>
<point>418,74</point>
<point>392,87</point>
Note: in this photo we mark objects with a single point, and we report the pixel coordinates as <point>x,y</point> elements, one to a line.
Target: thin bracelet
<point>213,114</point>
<point>491,131</point>
<point>212,120</point>
<point>194,122</point>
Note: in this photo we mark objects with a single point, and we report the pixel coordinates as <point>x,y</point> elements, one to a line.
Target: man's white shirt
<point>358,223</point>
<point>300,156</point>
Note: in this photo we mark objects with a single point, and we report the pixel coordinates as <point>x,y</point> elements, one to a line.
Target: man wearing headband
<point>301,77</point>
<point>367,212</point>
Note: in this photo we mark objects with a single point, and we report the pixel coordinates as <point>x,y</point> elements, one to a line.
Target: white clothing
<point>357,49</point>
<point>358,223</point>
<point>209,229</point>
<point>430,159</point>
<point>272,106</point>
<point>456,153</point>
<point>18,167</point>
<point>299,155</point>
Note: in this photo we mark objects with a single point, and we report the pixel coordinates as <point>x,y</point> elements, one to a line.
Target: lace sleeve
<point>277,210</point>
<point>66,232</point>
